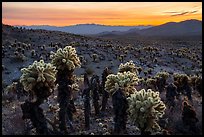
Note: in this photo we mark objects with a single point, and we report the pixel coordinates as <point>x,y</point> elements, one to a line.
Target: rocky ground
<point>171,56</point>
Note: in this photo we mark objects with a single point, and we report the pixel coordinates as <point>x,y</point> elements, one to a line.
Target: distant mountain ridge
<point>170,29</point>
<point>86,28</point>
<point>183,28</point>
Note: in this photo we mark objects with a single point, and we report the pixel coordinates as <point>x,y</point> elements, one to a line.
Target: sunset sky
<point>107,13</point>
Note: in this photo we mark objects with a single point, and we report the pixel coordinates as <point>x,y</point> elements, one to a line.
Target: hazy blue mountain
<point>183,28</point>
<point>86,28</point>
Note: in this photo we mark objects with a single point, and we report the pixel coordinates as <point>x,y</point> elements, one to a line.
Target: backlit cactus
<point>38,79</point>
<point>151,83</point>
<point>145,109</point>
<point>65,58</point>
<point>182,79</point>
<point>128,66</point>
<point>164,75</point>
<point>125,81</point>
<point>37,74</point>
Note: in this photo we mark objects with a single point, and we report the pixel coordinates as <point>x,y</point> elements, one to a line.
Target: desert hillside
<point>21,47</point>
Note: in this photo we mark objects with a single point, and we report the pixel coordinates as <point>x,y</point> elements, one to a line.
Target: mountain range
<point>85,28</point>
<point>170,29</point>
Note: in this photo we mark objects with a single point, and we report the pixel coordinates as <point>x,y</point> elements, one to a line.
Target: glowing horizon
<point>104,13</point>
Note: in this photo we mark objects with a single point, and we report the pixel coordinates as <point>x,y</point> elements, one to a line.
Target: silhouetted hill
<point>183,28</point>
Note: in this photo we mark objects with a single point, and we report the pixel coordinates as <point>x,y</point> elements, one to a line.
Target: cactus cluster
<point>145,109</point>
<point>128,66</point>
<point>39,73</point>
<point>125,81</point>
<point>181,78</point>
<point>65,58</point>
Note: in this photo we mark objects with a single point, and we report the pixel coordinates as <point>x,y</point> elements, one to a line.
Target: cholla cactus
<point>145,109</point>
<point>65,58</point>
<point>94,56</point>
<point>125,81</point>
<point>151,83</point>
<point>176,76</point>
<point>164,75</point>
<point>128,66</point>
<point>38,78</point>
<point>37,74</point>
<point>181,78</point>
